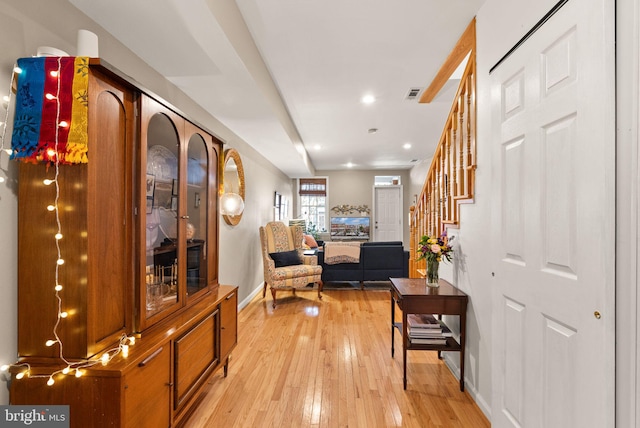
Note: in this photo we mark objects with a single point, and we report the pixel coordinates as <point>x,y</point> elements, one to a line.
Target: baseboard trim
<point>250,297</point>
<point>482,404</point>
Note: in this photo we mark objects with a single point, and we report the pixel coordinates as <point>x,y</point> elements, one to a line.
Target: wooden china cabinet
<point>140,243</point>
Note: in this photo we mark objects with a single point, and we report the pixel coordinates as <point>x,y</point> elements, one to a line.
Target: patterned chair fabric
<point>277,237</point>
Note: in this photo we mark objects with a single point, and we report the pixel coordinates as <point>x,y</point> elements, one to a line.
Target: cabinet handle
<point>150,357</point>
<point>185,217</point>
<point>230,296</point>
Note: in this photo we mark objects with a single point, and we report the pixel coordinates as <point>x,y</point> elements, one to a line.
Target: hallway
<point>327,363</point>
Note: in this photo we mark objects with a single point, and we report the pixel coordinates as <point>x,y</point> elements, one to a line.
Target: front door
<point>554,146</point>
<point>387,213</point>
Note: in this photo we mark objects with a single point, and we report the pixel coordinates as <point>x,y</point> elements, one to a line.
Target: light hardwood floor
<point>327,363</point>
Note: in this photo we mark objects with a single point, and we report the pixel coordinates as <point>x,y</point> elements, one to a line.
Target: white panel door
<point>387,213</point>
<point>554,147</point>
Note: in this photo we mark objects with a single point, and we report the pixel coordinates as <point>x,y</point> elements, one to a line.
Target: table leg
<point>440,352</point>
<point>393,317</point>
<point>404,349</point>
<point>463,340</point>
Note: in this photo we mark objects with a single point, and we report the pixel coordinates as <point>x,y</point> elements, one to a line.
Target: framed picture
<point>284,208</point>
<point>162,194</point>
<point>149,204</point>
<point>151,180</point>
<point>277,201</point>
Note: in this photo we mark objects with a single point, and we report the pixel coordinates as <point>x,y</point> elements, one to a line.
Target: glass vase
<point>432,273</point>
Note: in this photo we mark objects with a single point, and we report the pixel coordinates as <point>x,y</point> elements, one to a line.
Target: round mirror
<point>232,195</point>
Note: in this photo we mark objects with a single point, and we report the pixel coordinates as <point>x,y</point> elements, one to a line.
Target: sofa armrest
<point>406,265</point>
<point>309,260</point>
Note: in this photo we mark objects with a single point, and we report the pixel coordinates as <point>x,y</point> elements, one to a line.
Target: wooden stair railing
<point>451,176</point>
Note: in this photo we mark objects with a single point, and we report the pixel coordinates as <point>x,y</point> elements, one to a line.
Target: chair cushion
<point>286,258</point>
<point>305,272</point>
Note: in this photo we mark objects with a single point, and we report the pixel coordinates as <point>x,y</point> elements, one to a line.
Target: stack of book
<point>427,330</point>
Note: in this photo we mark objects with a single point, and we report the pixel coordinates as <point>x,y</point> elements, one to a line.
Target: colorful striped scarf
<point>51,110</point>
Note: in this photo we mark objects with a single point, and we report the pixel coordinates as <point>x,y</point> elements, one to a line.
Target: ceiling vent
<point>413,93</point>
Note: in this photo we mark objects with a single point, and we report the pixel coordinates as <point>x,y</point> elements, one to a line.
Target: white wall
<point>240,255</point>
<point>25,25</point>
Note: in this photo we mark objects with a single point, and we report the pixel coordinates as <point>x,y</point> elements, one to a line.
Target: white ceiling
<point>288,75</point>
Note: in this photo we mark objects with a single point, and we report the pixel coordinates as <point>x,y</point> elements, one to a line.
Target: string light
<point>125,341</point>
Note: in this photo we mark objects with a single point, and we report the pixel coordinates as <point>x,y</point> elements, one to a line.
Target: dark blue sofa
<point>379,261</point>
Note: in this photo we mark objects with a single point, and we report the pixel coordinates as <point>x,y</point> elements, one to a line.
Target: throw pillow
<point>286,258</point>
<point>310,241</point>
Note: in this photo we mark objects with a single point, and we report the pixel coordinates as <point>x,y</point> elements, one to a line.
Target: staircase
<point>450,180</point>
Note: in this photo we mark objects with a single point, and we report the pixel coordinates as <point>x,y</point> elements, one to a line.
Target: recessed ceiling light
<point>368,99</point>
<point>372,130</point>
<point>349,165</point>
<point>407,146</point>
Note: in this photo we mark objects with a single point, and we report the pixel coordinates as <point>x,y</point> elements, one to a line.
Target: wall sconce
<point>232,193</point>
<point>231,204</point>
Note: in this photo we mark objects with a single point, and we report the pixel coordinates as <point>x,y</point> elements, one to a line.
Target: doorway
<point>387,213</point>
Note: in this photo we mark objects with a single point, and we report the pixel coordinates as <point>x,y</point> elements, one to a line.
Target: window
<point>387,180</point>
<point>313,202</point>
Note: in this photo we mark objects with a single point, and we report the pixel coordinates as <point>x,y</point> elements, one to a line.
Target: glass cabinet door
<point>161,232</point>
<point>197,202</point>
<point>178,232</point>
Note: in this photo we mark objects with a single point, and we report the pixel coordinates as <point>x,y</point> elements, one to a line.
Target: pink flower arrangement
<point>435,249</point>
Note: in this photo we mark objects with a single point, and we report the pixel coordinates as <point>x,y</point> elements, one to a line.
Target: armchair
<point>285,265</point>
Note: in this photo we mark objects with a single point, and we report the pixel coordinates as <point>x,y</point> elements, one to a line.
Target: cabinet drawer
<point>146,391</point>
<point>195,356</point>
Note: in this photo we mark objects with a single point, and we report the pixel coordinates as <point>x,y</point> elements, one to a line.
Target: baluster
<point>470,153</point>
<point>464,164</point>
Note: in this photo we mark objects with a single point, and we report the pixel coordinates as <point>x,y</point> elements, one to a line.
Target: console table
<point>413,296</point>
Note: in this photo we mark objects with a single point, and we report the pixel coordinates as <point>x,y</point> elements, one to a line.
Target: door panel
<point>554,134</point>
